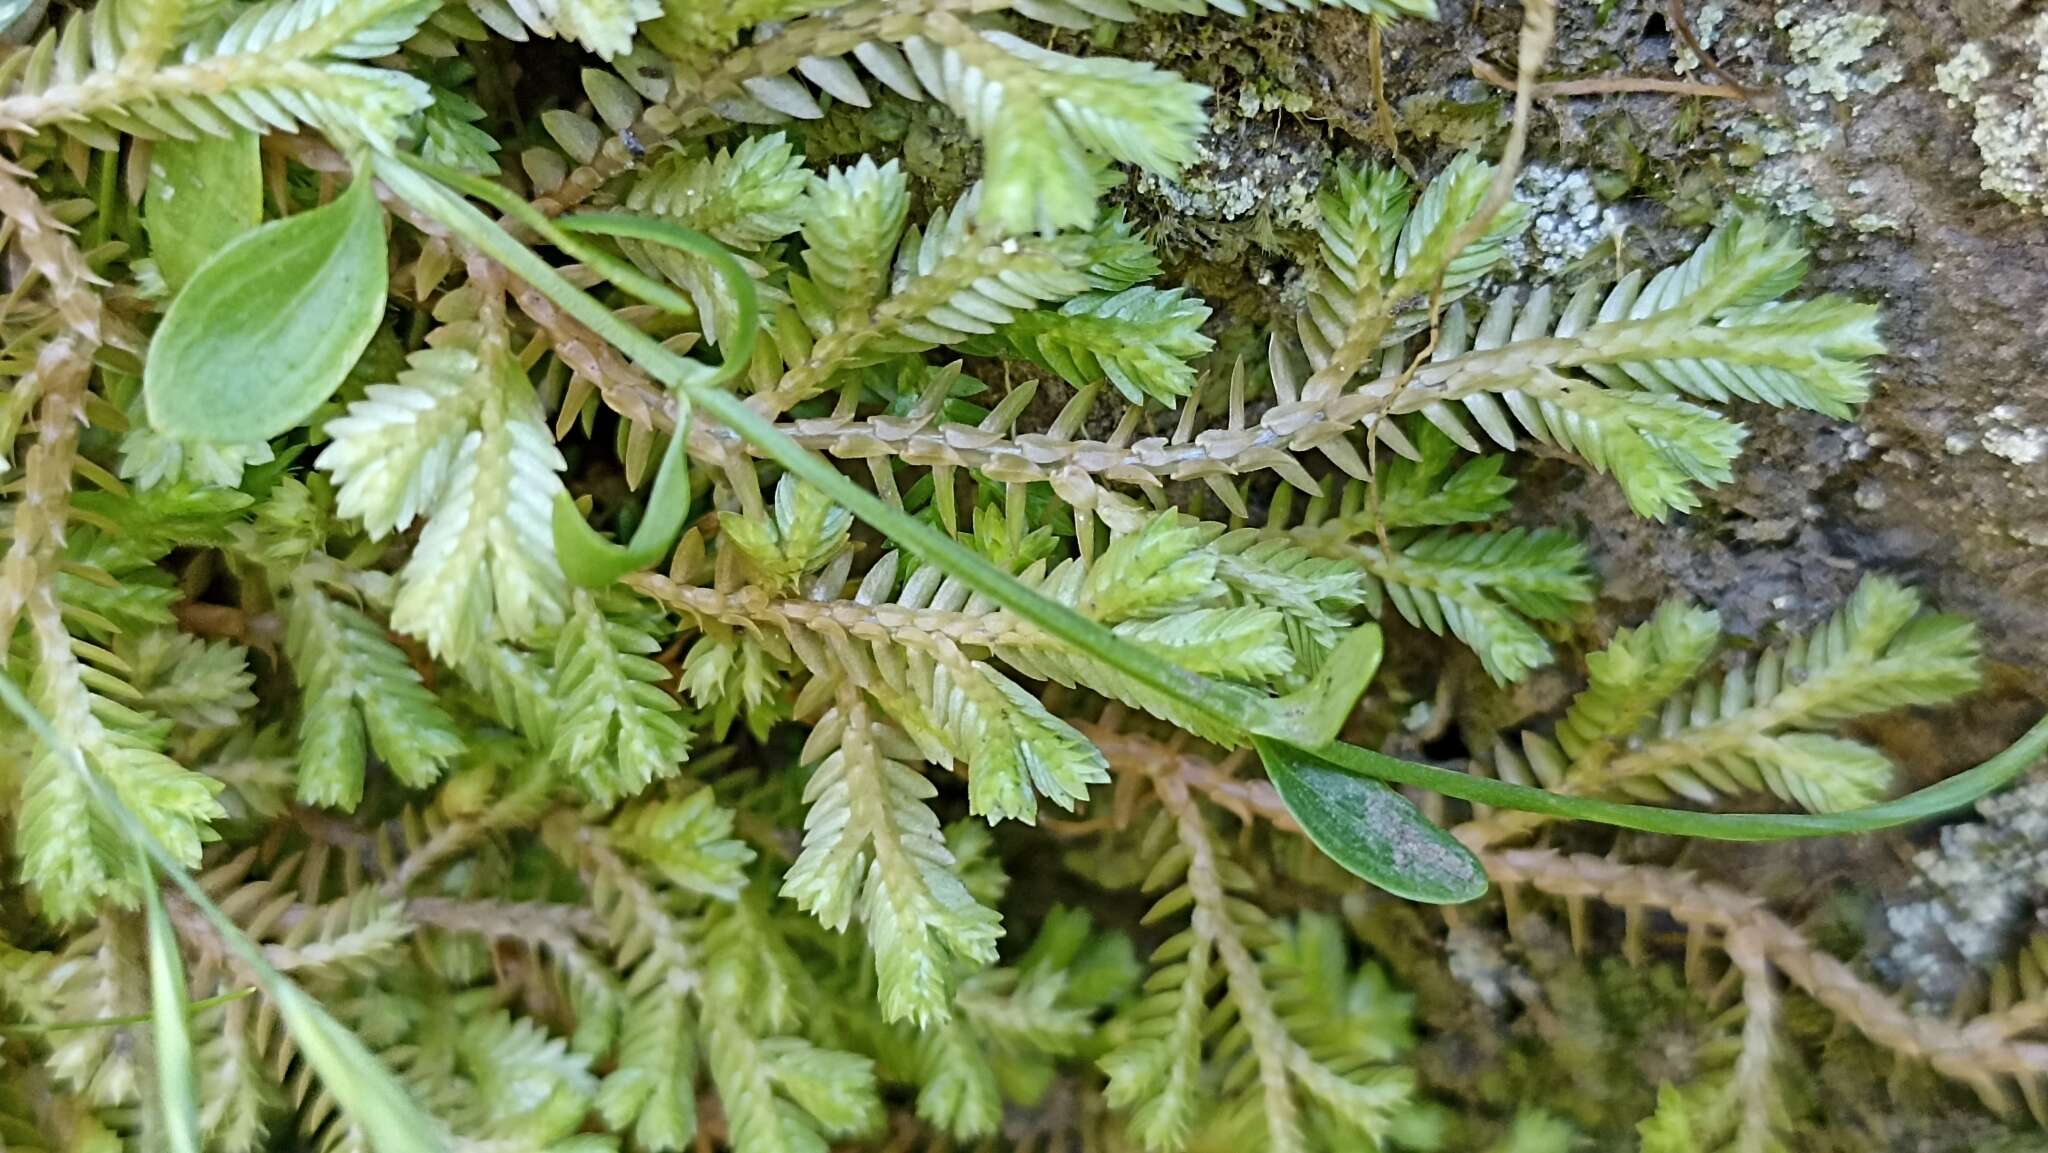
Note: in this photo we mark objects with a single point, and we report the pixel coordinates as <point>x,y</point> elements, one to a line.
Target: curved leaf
<point>267,330</point>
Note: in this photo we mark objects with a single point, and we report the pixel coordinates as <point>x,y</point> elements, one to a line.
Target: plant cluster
<point>655,666</point>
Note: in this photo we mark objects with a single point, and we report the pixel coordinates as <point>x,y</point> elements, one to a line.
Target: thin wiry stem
<point>1759,1044</point>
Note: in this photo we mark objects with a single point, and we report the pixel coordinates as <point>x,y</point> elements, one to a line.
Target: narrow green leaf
<point>1226,708</point>
<point>1372,830</point>
<point>202,195</point>
<point>373,1099</point>
<point>1315,713</point>
<point>587,558</point>
<point>176,1087</point>
<point>191,1008</point>
<point>1933,801</point>
<point>267,329</point>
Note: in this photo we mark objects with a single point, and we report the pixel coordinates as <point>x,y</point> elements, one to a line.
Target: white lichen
<point>1961,75</point>
<point>2010,115</point>
<point>1974,890</point>
<point>1566,219</point>
<point>2021,446</point>
<point>1829,46</point>
<point>2008,437</point>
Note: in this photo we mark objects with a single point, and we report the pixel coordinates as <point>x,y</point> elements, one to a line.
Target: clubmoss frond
<point>1760,727</point>
<point>269,68</point>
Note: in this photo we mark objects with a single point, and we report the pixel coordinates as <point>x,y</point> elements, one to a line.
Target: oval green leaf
<point>202,195</point>
<point>267,329</point>
<point>1372,830</point>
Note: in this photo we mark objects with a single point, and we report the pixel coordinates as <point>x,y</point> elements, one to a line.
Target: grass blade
<point>176,1088</point>
<point>368,1093</point>
<point>1933,801</point>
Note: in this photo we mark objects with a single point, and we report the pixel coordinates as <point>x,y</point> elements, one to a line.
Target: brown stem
<point>1966,1053</point>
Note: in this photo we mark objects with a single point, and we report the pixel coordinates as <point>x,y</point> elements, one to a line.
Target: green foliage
<point>483,861</point>
<point>169,68</point>
<point>871,844</point>
<point>359,694</point>
<point>614,726</point>
<point>1761,726</point>
<point>213,373</point>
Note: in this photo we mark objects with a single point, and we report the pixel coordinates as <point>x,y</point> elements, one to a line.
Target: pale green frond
<point>1316,597</point>
<point>517,688</point>
<point>872,845</point>
<point>1155,1071</point>
<point>1160,567</point>
<point>1023,1011</point>
<point>152,459</point>
<point>616,730</point>
<point>484,568</point>
<point>957,1089</point>
<point>1760,727</point>
<point>1713,328</point>
<point>392,452</point>
<point>277,66</point>
<point>782,1095</point>
<point>1140,340</point>
<point>651,1091</point>
<point>449,134</point>
<point>353,936</point>
<point>529,1089</point>
<point>1241,643</point>
<point>1629,679</point>
<point>71,858</point>
<point>605,27</point>
<point>805,530</point>
<point>852,223</point>
<point>237,1095</point>
<point>1483,588</point>
<point>186,680</point>
<point>689,842</point>
<point>1427,492</point>
<point>1660,449</point>
<point>724,675</point>
<point>1047,119</point>
<point>357,694</point>
<point>744,196</point>
<point>1016,752</point>
<point>1387,249</point>
<point>836,1089</point>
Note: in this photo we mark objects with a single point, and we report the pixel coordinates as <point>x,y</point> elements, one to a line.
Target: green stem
<point>1227,707</point>
<point>1933,801</point>
<point>192,1008</point>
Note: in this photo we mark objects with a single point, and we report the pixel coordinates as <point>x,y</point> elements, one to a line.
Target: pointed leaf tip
<point>1315,714</point>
